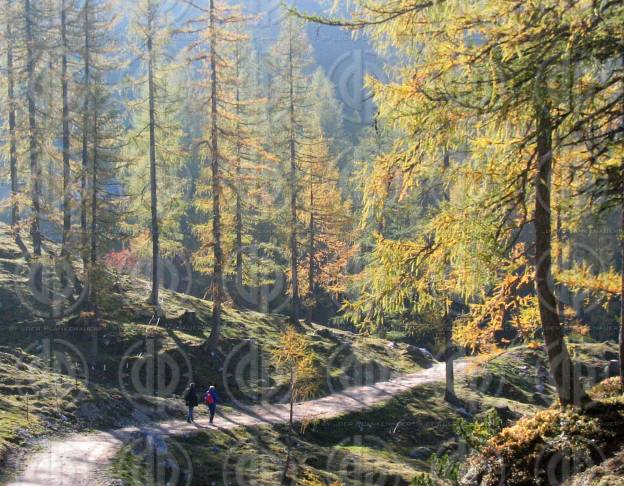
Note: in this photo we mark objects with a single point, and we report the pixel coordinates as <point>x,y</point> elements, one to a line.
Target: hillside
<point>389,444</point>
<point>78,376</point>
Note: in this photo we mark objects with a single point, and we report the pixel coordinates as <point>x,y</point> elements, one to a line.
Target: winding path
<point>83,459</point>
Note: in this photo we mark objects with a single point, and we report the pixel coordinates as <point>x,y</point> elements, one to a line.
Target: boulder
<point>421,453</point>
<point>613,368</point>
<point>417,352</point>
<point>326,334</point>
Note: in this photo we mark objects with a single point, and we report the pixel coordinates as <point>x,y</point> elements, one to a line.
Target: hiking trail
<point>84,458</point>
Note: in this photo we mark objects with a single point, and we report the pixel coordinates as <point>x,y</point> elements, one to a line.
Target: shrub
<point>543,449</point>
<point>477,433</point>
<point>609,388</point>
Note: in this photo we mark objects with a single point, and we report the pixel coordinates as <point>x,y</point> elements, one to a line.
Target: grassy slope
<point>386,445</point>
<point>25,328</point>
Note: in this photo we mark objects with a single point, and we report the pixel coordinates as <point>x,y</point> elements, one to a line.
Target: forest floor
<point>84,459</point>
<point>58,375</point>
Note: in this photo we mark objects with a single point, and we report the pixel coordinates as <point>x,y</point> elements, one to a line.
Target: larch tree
<point>215,34</point>
<point>329,229</point>
<point>31,23</point>
<point>11,43</point>
<point>97,62</point>
<point>489,81</point>
<point>291,58</point>
<point>155,141</point>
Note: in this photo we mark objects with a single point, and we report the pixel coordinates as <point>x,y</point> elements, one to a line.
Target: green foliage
<point>445,467</point>
<point>477,433</point>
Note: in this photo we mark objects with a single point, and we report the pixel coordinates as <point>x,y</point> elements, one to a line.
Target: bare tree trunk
<point>94,213</point>
<point>568,386</point>
<point>449,348</point>
<point>449,356</point>
<point>66,141</point>
<point>35,168</point>
<point>152,156</point>
<point>85,144</point>
<point>290,427</point>
<point>621,337</point>
<point>239,201</point>
<point>217,286</point>
<point>15,217</point>
<point>294,250</point>
<point>311,267</point>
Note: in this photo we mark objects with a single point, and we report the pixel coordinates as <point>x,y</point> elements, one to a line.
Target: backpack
<point>209,399</point>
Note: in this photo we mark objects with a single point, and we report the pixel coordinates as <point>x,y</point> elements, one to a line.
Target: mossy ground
<point>385,445</point>
<point>241,368</point>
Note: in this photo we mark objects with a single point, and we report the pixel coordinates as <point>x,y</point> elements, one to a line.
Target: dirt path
<point>83,459</point>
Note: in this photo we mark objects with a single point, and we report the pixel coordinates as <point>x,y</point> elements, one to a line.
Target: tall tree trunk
<point>449,356</point>
<point>449,348</point>
<point>621,337</point>
<point>66,141</point>
<point>559,232</point>
<point>217,286</point>
<point>152,156</point>
<point>622,252</point>
<point>311,268</point>
<point>94,198</point>
<point>238,168</point>
<point>15,216</point>
<point>85,144</point>
<point>568,386</point>
<point>294,250</point>
<point>35,168</point>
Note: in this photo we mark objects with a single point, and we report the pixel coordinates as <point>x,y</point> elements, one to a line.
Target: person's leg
<point>191,414</point>
<point>189,417</point>
<point>213,409</point>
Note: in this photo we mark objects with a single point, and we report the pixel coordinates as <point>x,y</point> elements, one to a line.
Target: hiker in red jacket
<point>210,399</point>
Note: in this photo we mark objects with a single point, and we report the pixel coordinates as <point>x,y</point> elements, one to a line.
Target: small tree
<point>294,357</point>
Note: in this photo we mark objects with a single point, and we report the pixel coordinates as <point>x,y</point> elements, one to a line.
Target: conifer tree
<point>212,52</point>
<point>292,56</point>
<point>329,245</point>
<point>10,41</point>
<point>155,146</point>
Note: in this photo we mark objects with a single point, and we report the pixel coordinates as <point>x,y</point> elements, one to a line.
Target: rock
<point>326,334</point>
<point>419,352</point>
<point>392,345</point>
<point>613,368</point>
<point>611,356</point>
<point>505,413</point>
<point>421,453</point>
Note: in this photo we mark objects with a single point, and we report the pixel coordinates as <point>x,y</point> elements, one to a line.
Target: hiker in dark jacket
<point>210,399</point>
<point>190,398</point>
